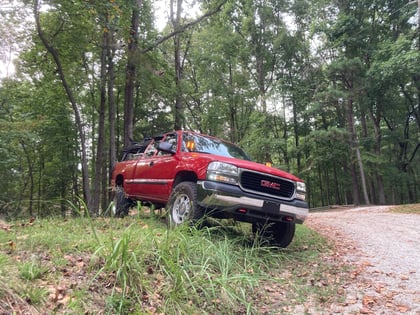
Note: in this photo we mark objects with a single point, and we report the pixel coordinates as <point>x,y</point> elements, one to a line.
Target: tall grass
<point>208,264</point>
<point>178,269</point>
<point>136,265</point>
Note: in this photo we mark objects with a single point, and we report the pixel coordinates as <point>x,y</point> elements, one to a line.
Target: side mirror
<point>166,147</point>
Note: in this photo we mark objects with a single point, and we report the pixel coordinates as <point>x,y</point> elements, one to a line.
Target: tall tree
<point>348,35</point>
<point>175,13</point>
<point>130,72</point>
<point>76,109</point>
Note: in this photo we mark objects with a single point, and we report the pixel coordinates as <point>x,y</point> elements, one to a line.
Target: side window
<point>172,139</point>
<point>151,149</point>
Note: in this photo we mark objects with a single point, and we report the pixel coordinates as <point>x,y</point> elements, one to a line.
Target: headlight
<point>223,172</point>
<point>300,190</point>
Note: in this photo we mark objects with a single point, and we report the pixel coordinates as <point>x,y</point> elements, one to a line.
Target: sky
<point>6,67</point>
<point>161,7</point>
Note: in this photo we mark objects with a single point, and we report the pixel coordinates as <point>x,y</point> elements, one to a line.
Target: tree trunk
<point>352,141</point>
<point>111,112</point>
<point>31,178</point>
<point>130,74</point>
<point>179,106</point>
<point>337,197</point>
<point>75,107</point>
<point>354,147</point>
<point>362,174</point>
<point>295,124</point>
<point>100,150</point>
<point>380,190</point>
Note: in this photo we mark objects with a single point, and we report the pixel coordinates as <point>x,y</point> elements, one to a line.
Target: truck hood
<point>252,166</point>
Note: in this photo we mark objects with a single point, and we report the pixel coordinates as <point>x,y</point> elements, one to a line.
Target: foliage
<point>304,85</point>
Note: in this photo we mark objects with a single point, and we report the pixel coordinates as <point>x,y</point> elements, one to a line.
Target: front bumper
<point>224,200</point>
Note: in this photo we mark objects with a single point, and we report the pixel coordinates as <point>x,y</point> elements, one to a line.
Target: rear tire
<point>182,205</point>
<point>121,204</point>
<point>276,233</point>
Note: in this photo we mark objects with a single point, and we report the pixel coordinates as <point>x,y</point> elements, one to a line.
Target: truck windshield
<point>203,144</point>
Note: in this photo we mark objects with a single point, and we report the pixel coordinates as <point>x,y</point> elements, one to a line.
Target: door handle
<point>151,163</point>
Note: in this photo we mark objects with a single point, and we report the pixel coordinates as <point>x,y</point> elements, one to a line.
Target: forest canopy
<point>327,90</point>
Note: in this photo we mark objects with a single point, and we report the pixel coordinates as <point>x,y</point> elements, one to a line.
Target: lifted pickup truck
<point>193,175</point>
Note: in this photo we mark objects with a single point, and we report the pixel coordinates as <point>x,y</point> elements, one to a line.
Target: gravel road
<point>384,248</point>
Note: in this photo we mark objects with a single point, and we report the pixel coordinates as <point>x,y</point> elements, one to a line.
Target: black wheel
<point>276,233</point>
<point>182,204</point>
<point>120,204</point>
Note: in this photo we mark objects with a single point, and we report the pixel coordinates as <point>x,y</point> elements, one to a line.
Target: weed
<point>117,303</point>
<point>32,293</point>
<point>32,270</point>
<point>3,261</point>
<point>83,212</point>
<point>124,263</point>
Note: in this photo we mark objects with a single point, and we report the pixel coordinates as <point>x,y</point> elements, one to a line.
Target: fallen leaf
<point>80,264</point>
<point>403,309</point>
<point>365,310</point>
<point>351,301</point>
<point>64,300</point>
<point>367,263</point>
<point>390,295</point>
<point>368,300</point>
<point>404,277</point>
<point>379,288</point>
<point>12,245</point>
<point>4,226</point>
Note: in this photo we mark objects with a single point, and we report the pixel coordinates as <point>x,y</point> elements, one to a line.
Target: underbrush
<point>136,265</point>
<point>408,208</point>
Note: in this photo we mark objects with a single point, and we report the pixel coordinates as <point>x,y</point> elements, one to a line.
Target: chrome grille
<point>258,182</point>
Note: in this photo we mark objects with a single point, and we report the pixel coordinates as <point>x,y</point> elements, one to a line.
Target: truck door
<point>154,173</point>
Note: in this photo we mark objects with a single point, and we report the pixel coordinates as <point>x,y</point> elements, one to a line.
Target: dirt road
<point>384,248</point>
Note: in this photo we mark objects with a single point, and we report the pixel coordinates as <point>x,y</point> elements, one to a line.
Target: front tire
<point>182,205</point>
<point>276,233</point>
<point>121,204</point>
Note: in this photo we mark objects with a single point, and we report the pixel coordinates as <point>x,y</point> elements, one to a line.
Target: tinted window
<point>199,143</point>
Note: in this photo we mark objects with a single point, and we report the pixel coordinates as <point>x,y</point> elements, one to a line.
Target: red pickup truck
<point>193,175</point>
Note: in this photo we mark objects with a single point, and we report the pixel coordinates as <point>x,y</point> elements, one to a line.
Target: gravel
<point>384,249</point>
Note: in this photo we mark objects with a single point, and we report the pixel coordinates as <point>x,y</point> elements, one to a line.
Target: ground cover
<point>136,265</point>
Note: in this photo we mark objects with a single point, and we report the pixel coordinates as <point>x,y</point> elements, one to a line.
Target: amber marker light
<point>190,145</point>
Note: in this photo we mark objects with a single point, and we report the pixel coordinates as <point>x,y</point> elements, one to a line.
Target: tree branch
<point>414,153</point>
<point>184,27</point>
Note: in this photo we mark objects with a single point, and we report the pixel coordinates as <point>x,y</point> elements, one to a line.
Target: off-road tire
<point>121,204</point>
<point>182,205</point>
<point>275,233</point>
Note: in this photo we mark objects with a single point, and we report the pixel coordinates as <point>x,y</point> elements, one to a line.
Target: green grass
<point>409,208</point>
<point>136,265</point>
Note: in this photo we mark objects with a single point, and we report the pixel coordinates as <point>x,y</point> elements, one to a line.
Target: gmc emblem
<point>268,184</point>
